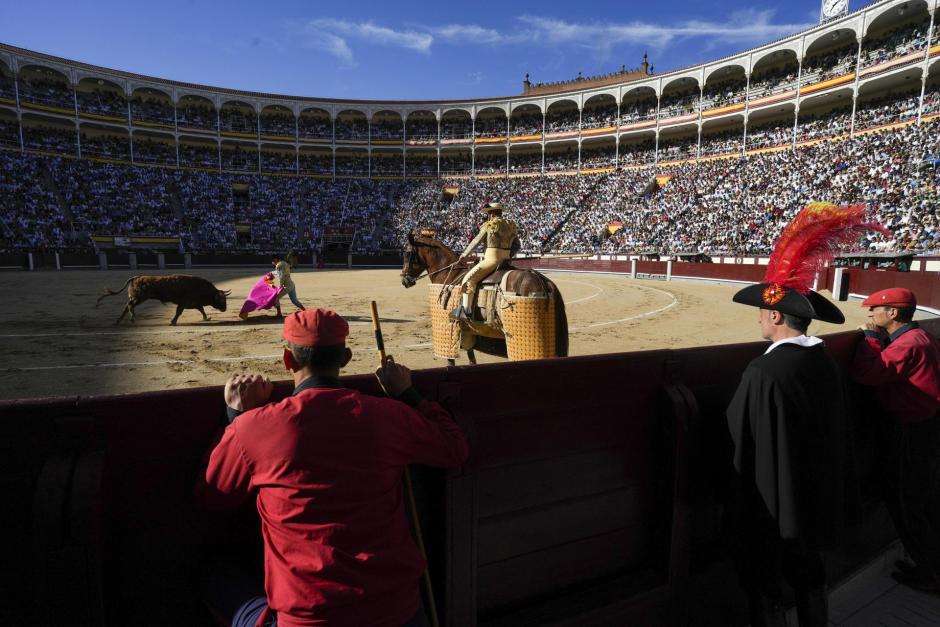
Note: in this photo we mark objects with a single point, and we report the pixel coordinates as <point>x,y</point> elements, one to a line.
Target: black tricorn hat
<point>802,248</point>
<point>811,305</point>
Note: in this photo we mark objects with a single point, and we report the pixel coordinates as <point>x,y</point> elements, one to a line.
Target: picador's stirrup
<point>460,313</point>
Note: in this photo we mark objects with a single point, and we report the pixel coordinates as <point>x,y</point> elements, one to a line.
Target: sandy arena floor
<point>55,342</point>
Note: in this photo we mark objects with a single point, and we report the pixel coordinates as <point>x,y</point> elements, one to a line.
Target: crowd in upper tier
<point>735,204</point>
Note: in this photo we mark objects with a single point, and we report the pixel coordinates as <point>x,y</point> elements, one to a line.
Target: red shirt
<point>326,468</point>
<point>905,373</point>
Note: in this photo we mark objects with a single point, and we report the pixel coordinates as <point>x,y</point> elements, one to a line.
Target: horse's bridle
<point>412,260</point>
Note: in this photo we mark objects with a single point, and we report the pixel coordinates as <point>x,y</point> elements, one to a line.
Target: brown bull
<point>186,292</point>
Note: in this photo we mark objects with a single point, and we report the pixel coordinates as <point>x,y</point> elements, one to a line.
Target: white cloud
<point>748,27</point>
<point>468,33</point>
<point>373,33</point>
<point>330,43</point>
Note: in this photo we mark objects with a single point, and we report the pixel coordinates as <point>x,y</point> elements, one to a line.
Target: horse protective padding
<point>445,332</point>
<point>529,325</point>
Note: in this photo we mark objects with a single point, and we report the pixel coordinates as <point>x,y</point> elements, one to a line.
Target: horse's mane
<point>430,242</point>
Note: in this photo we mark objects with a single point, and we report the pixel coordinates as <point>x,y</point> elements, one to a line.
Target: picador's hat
<point>490,207</point>
<point>804,246</point>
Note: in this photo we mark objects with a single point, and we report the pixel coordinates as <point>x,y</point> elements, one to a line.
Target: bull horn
<point>226,292</point>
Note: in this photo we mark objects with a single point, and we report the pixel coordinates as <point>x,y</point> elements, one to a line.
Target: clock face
<point>834,7</point>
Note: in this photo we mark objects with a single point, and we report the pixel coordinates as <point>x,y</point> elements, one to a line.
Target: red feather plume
<point>812,239</point>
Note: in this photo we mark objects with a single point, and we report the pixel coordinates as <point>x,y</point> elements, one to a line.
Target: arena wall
<point>590,491</point>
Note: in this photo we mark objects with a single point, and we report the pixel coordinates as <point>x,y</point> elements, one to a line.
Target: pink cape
<point>261,296</point>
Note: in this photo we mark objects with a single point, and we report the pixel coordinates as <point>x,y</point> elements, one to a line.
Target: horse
<point>443,266</point>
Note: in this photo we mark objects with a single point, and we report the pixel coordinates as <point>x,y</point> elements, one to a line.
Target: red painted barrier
<point>719,271</point>
<point>578,500</point>
<point>926,285</point>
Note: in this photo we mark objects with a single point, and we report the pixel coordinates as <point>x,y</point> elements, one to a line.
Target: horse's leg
<point>471,356</point>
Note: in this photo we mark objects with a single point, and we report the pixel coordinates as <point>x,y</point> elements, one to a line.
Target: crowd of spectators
<point>814,125</point>
<point>638,110</point>
<point>10,133</point>
<point>278,161</point>
<point>599,117</point>
<point>456,127</point>
<point>826,65</point>
<point>724,93</point>
<point>316,162</point>
<point>526,123</point>
<point>886,110</point>
<point>387,129</point>
<point>106,146</point>
<point>525,162</point>
<point>679,103</point>
<point>50,138</point>
<point>107,102</point>
<point>560,120</point>
<point>196,115</point>
<point>49,91</point>
<point>722,143</point>
<point>239,119</point>
<point>7,85</point>
<point>278,123</point>
<point>896,42</point>
<point>490,127</point>
<point>774,80</point>
<point>199,155</point>
<point>768,134</point>
<point>153,110</point>
<point>355,128</point>
<point>421,129</point>
<point>734,205</point>
<point>739,206</point>
<point>315,127</point>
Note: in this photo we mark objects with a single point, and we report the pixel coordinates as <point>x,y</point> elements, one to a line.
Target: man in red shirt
<point>325,468</point>
<point>902,362</point>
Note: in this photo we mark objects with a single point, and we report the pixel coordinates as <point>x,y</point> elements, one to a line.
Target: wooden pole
<point>409,491</point>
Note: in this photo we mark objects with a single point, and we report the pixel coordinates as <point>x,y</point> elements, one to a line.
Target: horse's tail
<point>561,325</point>
<point>108,292</point>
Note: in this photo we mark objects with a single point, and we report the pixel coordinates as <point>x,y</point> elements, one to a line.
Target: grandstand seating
<point>814,130</point>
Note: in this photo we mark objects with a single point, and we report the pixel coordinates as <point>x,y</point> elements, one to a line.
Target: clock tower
<point>831,9</point>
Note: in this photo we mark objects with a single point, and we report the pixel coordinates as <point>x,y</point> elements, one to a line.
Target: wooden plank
<point>519,533</point>
<point>552,570</point>
<point>529,436</point>
<point>510,488</point>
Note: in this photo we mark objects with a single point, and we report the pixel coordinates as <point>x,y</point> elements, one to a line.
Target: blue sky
<point>407,51</point>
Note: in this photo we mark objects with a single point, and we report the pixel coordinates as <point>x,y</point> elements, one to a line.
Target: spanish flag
<point>613,226</point>
<point>450,190</point>
<point>663,179</point>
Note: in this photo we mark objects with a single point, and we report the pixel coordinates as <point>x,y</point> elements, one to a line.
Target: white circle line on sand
<point>600,290</point>
<point>675,301</point>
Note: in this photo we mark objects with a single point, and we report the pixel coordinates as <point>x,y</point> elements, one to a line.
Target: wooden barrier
<point>585,500</point>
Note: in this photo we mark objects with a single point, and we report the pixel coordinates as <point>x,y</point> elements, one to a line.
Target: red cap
<point>315,327</point>
<point>899,297</point>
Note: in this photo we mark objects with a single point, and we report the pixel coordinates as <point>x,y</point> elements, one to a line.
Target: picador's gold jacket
<point>497,232</point>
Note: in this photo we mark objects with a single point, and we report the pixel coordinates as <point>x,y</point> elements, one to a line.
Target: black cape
<point>788,421</point>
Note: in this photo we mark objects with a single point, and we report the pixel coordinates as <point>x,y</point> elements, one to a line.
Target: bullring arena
<point>57,335</point>
<point>596,487</point>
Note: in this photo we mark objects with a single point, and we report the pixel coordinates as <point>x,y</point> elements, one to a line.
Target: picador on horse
<point>502,243</point>
<point>512,312</point>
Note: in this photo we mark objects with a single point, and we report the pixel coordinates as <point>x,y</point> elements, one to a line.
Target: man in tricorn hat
<point>788,424</point>
<point>902,362</point>
<point>500,235</point>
